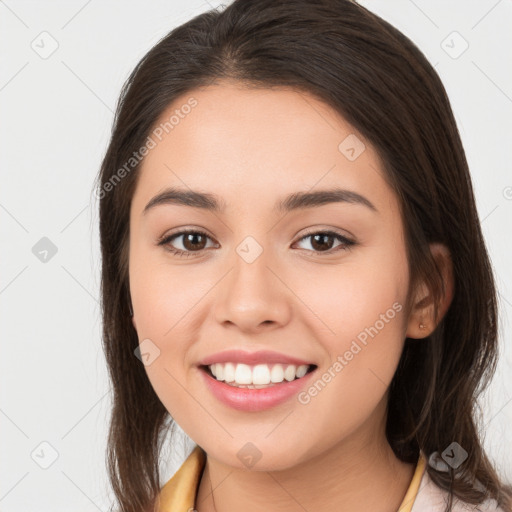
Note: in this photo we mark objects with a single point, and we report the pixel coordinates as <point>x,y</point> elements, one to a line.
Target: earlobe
<point>422,321</point>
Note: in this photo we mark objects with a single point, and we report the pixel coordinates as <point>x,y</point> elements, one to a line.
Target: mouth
<point>256,388</point>
<point>259,376</point>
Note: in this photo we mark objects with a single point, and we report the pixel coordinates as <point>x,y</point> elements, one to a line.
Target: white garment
<point>431,498</point>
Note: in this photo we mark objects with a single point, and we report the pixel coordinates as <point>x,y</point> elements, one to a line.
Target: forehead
<point>250,145</point>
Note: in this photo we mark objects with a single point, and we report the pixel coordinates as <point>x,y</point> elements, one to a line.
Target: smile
<point>257,376</point>
<point>255,387</point>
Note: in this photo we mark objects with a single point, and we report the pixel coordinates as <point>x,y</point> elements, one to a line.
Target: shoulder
<point>431,498</point>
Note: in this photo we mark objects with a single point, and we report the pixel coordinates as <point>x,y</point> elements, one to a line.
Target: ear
<point>421,321</point>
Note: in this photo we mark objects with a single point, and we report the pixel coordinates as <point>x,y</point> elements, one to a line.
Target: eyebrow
<point>295,201</point>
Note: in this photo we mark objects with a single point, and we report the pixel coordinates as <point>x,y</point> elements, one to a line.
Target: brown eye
<point>323,241</point>
<point>194,241</point>
<point>191,241</point>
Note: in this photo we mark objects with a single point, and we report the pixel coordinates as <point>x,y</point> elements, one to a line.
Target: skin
<point>252,147</point>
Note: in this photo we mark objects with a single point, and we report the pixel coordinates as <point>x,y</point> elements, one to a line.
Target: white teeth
<point>277,373</point>
<point>301,371</point>
<point>289,373</point>
<point>243,374</point>
<point>261,374</point>
<point>229,371</point>
<point>258,375</point>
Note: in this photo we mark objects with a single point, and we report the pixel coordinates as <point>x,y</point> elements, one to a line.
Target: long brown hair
<point>383,85</point>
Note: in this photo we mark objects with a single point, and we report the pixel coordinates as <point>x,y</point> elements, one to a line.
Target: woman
<point>294,271</point>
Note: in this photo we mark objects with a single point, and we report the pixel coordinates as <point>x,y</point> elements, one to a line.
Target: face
<point>322,282</point>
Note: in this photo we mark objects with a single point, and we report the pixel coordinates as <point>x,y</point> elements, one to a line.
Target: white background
<point>56,115</point>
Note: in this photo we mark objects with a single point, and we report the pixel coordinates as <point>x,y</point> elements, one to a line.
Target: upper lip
<point>251,358</point>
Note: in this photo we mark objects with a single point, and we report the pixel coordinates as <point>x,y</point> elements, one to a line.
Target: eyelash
<point>165,241</point>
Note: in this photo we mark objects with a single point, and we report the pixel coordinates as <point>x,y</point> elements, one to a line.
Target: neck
<point>360,473</point>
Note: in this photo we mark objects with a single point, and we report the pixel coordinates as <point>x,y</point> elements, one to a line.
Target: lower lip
<point>245,399</point>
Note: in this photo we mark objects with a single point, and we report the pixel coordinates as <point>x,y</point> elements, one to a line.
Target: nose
<point>253,296</point>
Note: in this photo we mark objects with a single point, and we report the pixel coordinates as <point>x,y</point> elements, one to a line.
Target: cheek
<point>167,306</point>
<point>360,322</point>
<point>351,296</point>
<point>351,385</point>
<point>361,329</point>
<point>163,293</point>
